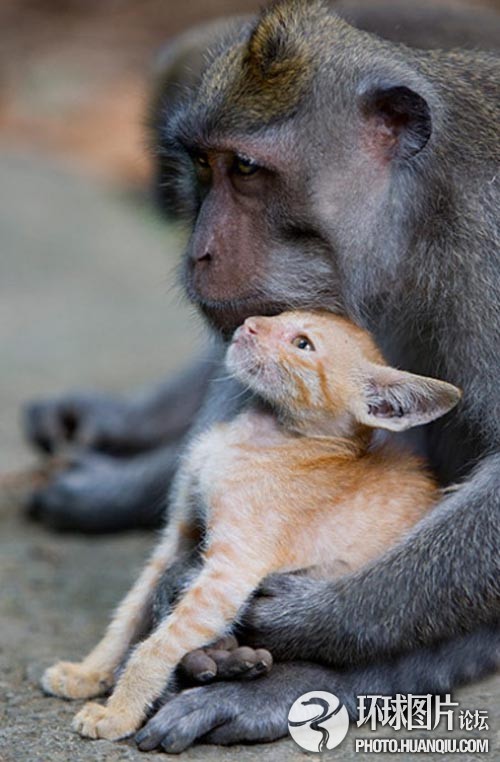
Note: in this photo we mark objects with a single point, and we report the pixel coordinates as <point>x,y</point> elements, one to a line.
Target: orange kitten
<point>300,484</point>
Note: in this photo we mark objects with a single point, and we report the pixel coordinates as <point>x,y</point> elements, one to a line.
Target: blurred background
<point>87,299</point>
<point>87,283</point>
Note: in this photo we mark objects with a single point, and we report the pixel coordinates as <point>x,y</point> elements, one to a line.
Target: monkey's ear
<point>396,400</point>
<point>398,121</point>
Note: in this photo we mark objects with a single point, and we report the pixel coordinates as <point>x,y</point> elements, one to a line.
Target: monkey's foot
<point>97,721</point>
<point>225,660</point>
<point>73,681</point>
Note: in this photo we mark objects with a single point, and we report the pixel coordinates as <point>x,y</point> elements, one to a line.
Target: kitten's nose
<point>250,325</point>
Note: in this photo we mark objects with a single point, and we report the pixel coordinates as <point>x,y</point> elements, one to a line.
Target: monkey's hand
<point>121,425</point>
<point>73,681</point>
<point>439,580</point>
<point>281,617</point>
<point>96,421</point>
<point>225,660</point>
<point>233,712</point>
<point>100,493</point>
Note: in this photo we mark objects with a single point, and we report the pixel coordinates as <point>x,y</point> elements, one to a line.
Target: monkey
<point>129,445</point>
<point>380,204</point>
<point>297,484</point>
<point>380,178</point>
<point>427,25</point>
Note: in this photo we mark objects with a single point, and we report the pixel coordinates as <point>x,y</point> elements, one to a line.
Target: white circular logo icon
<point>318,721</point>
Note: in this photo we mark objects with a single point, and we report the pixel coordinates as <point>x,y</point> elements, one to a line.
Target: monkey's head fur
<point>265,75</point>
<point>320,167</point>
<point>326,377</point>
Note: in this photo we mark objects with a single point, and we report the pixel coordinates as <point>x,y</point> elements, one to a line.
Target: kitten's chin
<point>245,363</point>
<point>240,363</point>
<point>254,366</point>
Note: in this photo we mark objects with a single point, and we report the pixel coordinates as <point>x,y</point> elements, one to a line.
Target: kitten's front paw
<point>97,721</point>
<point>72,680</point>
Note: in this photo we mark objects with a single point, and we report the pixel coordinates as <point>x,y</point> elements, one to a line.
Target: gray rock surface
<point>86,300</point>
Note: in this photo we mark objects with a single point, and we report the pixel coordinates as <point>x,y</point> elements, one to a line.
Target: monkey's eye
<point>245,166</point>
<point>201,160</point>
<point>302,342</point>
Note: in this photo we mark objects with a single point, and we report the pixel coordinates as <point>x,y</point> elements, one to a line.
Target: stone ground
<point>85,299</point>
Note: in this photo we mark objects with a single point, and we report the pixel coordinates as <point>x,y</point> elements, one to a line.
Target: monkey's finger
<point>262,666</point>
<point>261,663</point>
<point>202,665</point>
<point>173,726</point>
<point>177,736</point>
<point>198,666</point>
<point>43,426</point>
<point>243,662</point>
<point>227,643</point>
<point>92,433</point>
<point>102,433</point>
<point>190,728</point>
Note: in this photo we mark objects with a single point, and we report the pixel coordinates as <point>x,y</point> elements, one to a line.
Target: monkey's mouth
<point>226,316</point>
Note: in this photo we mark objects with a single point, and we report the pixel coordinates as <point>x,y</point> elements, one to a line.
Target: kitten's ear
<point>395,400</point>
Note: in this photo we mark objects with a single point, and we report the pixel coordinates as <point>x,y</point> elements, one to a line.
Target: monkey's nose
<point>205,257</point>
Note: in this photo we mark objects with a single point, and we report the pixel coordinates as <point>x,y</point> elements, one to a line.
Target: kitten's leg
<point>95,674</point>
<point>206,610</point>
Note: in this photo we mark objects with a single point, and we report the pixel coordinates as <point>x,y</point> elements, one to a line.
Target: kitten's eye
<point>302,342</point>
<point>244,166</point>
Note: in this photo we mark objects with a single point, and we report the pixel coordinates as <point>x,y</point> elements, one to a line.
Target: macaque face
<point>274,229</point>
<point>282,161</point>
<point>250,251</point>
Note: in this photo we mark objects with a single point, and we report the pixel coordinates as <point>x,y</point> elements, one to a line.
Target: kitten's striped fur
<point>300,484</point>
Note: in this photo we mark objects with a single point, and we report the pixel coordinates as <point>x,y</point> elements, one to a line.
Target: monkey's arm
<point>122,425</point>
<point>442,580</point>
<point>228,713</point>
<point>101,493</point>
